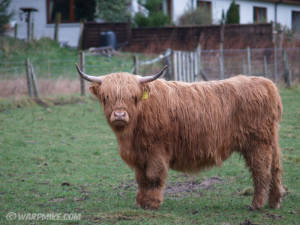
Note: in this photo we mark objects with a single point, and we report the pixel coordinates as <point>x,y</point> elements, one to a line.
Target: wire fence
<point>269,62</point>
<point>276,64</point>
<point>55,77</point>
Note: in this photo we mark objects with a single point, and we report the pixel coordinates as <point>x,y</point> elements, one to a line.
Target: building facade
<point>43,20</point>
<point>285,12</point>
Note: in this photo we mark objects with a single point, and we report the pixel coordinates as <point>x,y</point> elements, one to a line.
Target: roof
<point>292,2</point>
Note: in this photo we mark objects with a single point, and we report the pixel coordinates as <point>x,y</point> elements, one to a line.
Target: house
<point>285,12</point>
<point>44,18</point>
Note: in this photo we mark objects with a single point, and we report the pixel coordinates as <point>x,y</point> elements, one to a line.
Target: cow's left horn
<point>152,77</point>
<point>88,77</point>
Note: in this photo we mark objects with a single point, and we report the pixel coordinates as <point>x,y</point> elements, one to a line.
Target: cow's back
<point>201,124</point>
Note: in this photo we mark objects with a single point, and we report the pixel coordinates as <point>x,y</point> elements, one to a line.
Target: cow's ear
<point>94,89</point>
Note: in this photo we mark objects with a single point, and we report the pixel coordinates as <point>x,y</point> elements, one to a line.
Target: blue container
<point>108,39</point>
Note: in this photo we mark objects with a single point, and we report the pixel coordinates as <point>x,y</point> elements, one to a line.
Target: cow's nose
<point>119,114</point>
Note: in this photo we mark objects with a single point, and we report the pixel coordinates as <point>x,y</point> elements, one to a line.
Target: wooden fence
<point>186,65</point>
<point>190,66</point>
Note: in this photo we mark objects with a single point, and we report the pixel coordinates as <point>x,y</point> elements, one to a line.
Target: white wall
<point>284,11</point>
<point>284,14</point>
<point>246,10</point>
<point>68,33</point>
<point>180,7</point>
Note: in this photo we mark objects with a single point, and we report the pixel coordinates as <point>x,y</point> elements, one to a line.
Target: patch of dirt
<point>273,216</point>
<point>59,86</point>
<point>57,200</point>
<point>114,217</point>
<point>182,188</point>
<point>247,222</point>
<point>177,189</point>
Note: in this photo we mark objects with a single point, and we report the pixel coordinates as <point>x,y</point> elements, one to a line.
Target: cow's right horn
<point>88,77</point>
<point>152,77</point>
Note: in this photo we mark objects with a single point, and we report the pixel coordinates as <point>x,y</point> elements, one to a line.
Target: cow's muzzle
<point>119,118</point>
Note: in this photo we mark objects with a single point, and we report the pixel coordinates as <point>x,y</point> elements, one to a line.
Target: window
<point>259,15</point>
<point>204,4</point>
<point>205,7</point>
<point>71,10</point>
<point>65,7</point>
<point>296,21</point>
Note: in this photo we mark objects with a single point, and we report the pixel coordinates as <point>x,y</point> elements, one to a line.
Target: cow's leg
<point>259,160</point>
<point>276,189</point>
<point>151,180</point>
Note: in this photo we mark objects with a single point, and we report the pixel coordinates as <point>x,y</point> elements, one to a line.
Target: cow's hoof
<point>149,204</point>
<point>274,205</point>
<point>254,208</point>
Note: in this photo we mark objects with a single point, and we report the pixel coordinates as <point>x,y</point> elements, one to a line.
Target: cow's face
<point>120,95</point>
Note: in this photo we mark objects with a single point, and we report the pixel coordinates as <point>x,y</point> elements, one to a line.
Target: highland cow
<point>163,124</point>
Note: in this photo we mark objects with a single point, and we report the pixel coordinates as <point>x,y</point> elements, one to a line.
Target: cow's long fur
<point>191,126</point>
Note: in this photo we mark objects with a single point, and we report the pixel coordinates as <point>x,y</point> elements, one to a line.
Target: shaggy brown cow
<point>190,126</point>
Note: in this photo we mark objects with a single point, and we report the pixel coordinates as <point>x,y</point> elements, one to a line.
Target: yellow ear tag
<point>145,95</point>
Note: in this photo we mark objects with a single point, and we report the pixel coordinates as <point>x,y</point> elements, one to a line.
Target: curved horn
<point>152,77</point>
<point>88,77</point>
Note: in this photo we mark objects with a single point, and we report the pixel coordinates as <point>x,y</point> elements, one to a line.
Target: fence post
<point>174,62</point>
<point>249,61</point>
<point>16,31</point>
<point>167,61</point>
<point>186,59</point>
<point>198,63</point>
<point>191,66</point>
<point>34,81</point>
<point>244,69</point>
<point>57,22</point>
<point>221,62</point>
<point>265,66</point>
<point>135,64</point>
<point>80,39</point>
<point>275,58</point>
<point>181,66</point>
<point>28,78</point>
<point>287,72</point>
<point>28,26</point>
<point>81,62</point>
<point>32,31</point>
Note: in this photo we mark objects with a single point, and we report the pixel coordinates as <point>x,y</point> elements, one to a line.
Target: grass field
<point>64,159</point>
<point>50,60</point>
<point>55,66</point>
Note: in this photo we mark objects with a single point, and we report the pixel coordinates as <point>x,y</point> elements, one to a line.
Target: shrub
<point>85,10</point>
<point>4,15</point>
<point>113,10</point>
<point>140,20</point>
<point>198,16</point>
<point>156,17</point>
<point>233,14</point>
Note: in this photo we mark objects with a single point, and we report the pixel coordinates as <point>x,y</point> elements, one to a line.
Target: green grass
<point>64,159</point>
<point>52,61</point>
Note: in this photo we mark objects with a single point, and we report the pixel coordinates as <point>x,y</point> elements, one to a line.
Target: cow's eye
<point>135,99</point>
<point>104,99</point>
